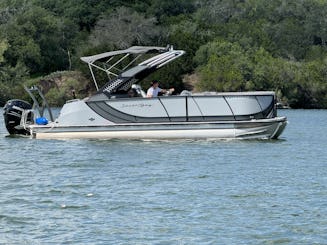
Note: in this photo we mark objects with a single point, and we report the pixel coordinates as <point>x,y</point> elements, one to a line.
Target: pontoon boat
<point>113,112</point>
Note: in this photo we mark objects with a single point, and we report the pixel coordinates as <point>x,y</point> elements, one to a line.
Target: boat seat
<point>185,93</point>
<point>139,90</point>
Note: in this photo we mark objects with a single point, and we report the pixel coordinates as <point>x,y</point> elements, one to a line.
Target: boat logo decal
<point>140,105</point>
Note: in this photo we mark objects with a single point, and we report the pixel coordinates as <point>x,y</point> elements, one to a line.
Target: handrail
<point>45,104</point>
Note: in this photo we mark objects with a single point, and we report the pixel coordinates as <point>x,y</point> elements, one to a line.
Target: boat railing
<point>24,121</point>
<point>39,107</point>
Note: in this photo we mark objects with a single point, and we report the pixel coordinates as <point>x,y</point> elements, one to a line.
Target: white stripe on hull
<point>151,134</point>
<point>253,129</point>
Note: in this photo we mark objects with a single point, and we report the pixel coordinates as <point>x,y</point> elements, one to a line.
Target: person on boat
<point>154,90</point>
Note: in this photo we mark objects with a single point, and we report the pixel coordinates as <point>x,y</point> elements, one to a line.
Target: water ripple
<point>167,192</point>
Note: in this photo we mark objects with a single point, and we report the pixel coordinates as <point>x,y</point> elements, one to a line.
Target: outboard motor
<point>12,112</point>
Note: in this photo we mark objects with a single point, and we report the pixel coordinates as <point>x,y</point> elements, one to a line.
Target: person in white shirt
<point>154,90</point>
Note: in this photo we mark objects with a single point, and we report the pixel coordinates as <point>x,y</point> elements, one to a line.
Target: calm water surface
<point>167,192</point>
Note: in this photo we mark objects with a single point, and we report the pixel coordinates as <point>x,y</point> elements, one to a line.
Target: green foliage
<point>10,81</point>
<point>59,87</point>
<point>164,9</point>
<point>3,48</point>
<point>231,45</point>
<point>38,39</point>
<point>223,67</point>
<point>10,77</point>
<point>124,28</point>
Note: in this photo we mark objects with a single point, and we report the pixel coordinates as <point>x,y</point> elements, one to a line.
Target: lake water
<point>167,192</point>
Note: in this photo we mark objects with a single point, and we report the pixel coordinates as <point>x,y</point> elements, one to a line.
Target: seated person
<point>131,93</point>
<point>154,90</point>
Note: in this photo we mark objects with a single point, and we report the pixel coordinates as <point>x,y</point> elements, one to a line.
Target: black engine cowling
<point>12,113</point>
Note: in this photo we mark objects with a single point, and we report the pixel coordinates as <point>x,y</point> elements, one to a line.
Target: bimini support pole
<point>93,77</point>
<point>36,104</point>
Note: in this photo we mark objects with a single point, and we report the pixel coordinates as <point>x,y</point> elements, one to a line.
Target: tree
<point>167,8</point>
<point>3,48</point>
<point>223,66</point>
<point>238,45</point>
<point>38,39</point>
<point>124,28</point>
<point>10,77</point>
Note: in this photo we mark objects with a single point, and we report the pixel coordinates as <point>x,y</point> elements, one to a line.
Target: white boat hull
<point>254,129</point>
<point>120,109</point>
